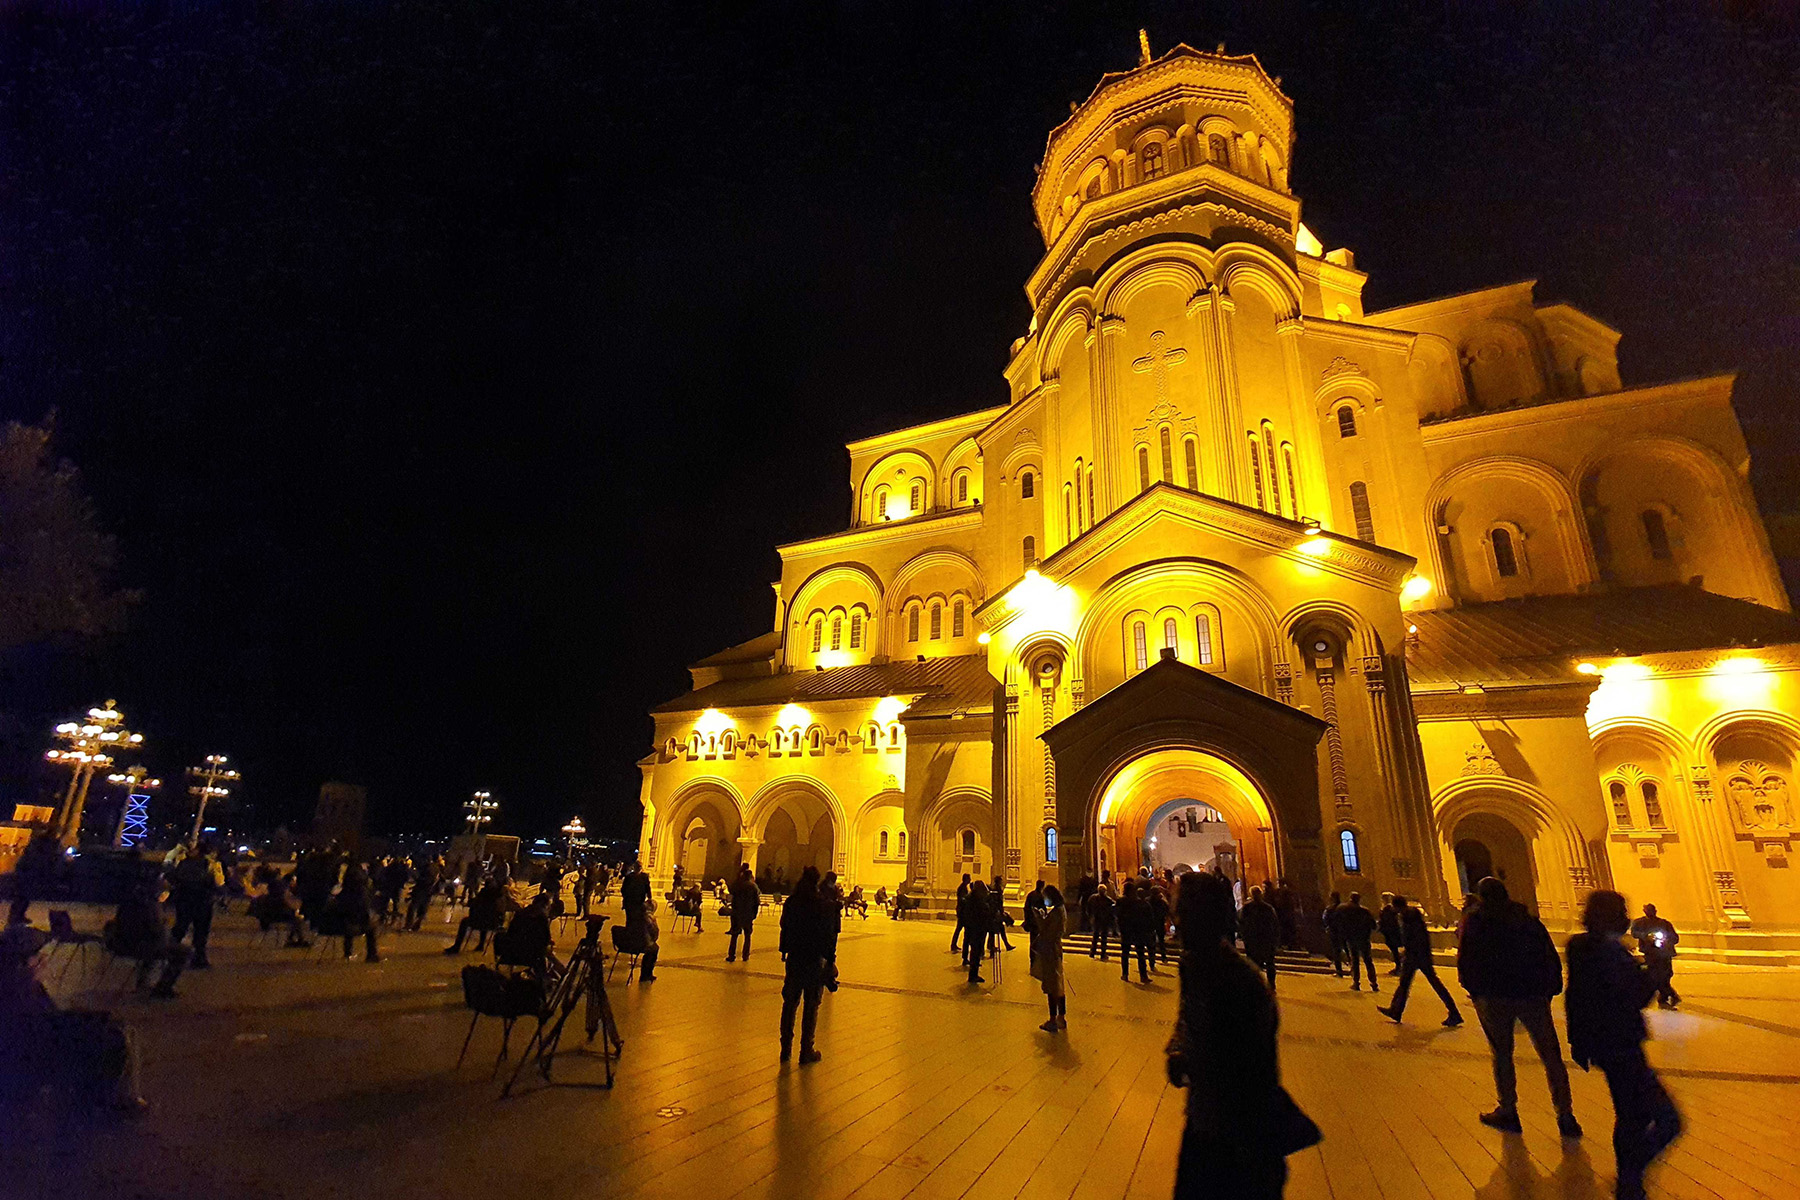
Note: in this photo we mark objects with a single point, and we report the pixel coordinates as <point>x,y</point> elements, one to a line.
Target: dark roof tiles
<point>942,685</point>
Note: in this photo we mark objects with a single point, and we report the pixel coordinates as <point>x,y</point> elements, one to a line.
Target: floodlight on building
<point>1587,668</point>
<point>1416,587</point>
<point>1316,546</point>
<point>983,638</point>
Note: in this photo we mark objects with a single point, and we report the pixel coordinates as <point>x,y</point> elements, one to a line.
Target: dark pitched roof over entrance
<point>942,685</point>
<point>1536,639</point>
<point>1191,690</point>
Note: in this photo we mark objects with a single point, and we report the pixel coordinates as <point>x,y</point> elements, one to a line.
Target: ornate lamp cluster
<point>212,776</point>
<point>87,747</point>
<point>479,809</point>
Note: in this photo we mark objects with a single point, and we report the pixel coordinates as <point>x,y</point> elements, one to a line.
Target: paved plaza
<point>287,1073</point>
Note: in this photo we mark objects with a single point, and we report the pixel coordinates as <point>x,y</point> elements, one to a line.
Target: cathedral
<point>1244,577</point>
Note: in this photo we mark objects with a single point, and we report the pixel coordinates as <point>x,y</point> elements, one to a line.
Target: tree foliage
<point>56,564</point>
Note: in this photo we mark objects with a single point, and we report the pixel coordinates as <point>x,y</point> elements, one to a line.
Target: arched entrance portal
<point>1189,835</point>
<point>1160,787</point>
<point>700,833</point>
<point>795,827</point>
<point>1486,844</point>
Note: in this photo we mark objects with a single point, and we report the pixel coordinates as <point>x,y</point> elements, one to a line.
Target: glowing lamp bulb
<point>1587,668</point>
<point>1416,587</point>
<point>984,637</point>
<point>1032,574</point>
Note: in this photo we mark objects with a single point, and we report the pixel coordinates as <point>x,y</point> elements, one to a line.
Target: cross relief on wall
<point>1157,363</point>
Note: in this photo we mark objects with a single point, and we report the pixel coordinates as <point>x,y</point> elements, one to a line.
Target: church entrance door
<point>1185,809</point>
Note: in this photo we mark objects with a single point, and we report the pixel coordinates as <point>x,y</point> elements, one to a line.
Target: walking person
<point>1047,957</point>
<point>424,887</point>
<point>1605,1002</point>
<point>805,936</point>
<point>194,887</point>
<point>354,910</point>
<point>1388,922</point>
<point>1357,925</point>
<point>1657,939</point>
<point>1415,959</point>
<point>1241,1123</point>
<point>975,914</point>
<point>1259,925</point>
<point>1133,915</point>
<point>1330,919</point>
<point>1281,898</point>
<point>1509,966</point>
<point>746,902</point>
<point>1100,919</point>
<point>962,894</point>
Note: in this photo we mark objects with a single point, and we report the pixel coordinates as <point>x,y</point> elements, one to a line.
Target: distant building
<point>339,815</point>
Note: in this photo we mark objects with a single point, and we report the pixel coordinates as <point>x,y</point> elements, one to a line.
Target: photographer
<point>1657,939</point>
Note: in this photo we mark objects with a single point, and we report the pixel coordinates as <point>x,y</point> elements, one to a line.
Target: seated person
<point>275,907</point>
<point>486,911</point>
<point>528,941</point>
<point>903,903</point>
<point>881,897</point>
<point>854,902</point>
<point>137,931</point>
<point>688,904</point>
<point>44,1046</point>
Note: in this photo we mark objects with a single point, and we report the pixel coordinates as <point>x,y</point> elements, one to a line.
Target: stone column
<point>1103,387</point>
<point>1416,858</point>
<point>1313,499</point>
<point>1008,802</point>
<point>1223,432</point>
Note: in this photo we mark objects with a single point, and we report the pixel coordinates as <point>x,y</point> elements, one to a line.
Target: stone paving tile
<point>283,1074</point>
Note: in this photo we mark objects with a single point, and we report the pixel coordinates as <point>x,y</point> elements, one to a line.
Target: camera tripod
<point>581,979</point>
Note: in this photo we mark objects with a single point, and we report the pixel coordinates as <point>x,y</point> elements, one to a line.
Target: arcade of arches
<point>1403,598</point>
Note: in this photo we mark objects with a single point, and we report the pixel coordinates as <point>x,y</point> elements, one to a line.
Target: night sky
<point>448,372</point>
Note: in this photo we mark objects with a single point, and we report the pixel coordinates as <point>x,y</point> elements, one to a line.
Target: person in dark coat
<point>746,902</point>
<point>1657,939</point>
<point>962,894</point>
<point>1356,925</point>
<point>1388,922</point>
<point>136,931</point>
<point>44,1045</point>
<point>274,907</point>
<point>1509,966</point>
<point>1281,898</point>
<point>1156,896</point>
<point>486,911</point>
<point>1034,916</point>
<point>1415,959</point>
<point>528,939</point>
<point>1100,919</point>
<point>1605,1002</point>
<point>634,892</point>
<point>1084,891</point>
<point>1133,916</point>
<point>975,914</point>
<point>1224,1053</point>
<point>424,887</point>
<point>1333,932</point>
<point>354,908</point>
<point>805,938</point>
<point>1260,927</point>
<point>194,888</point>
<point>997,920</point>
<point>35,875</point>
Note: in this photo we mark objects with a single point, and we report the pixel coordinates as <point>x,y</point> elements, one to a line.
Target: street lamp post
<point>134,808</point>
<point>480,809</point>
<point>213,774</point>
<point>574,834</point>
<point>88,748</point>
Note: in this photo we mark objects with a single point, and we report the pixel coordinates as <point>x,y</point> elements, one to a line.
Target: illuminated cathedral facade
<point>1244,577</point>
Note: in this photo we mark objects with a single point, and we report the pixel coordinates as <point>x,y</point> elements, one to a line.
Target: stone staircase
<point>1287,962</point>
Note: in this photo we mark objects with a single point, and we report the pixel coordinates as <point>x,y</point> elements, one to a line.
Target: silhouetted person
<point>1607,993</point>
<point>1657,939</point>
<point>528,939</point>
<point>1281,899</point>
<point>1133,916</point>
<point>275,907</point>
<point>1047,959</point>
<point>1388,921</point>
<point>486,911</point>
<point>1357,925</point>
<point>1415,959</point>
<point>1157,897</point>
<point>1084,891</point>
<point>805,937</point>
<point>43,1045</point>
<point>424,886</point>
<point>193,888</point>
<point>354,908</point>
<point>634,891</point>
<point>1509,966</point>
<point>1260,927</point>
<point>975,914</point>
<point>962,894</point>
<point>1034,911</point>
<point>1240,1123</point>
<point>1333,933</point>
<point>746,902</point>
<point>1100,919</point>
<point>137,932</point>
<point>997,925</point>
<point>35,874</point>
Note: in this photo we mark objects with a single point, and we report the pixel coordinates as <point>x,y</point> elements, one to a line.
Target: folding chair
<point>622,950</point>
<point>62,933</point>
<point>692,921</point>
<point>488,993</point>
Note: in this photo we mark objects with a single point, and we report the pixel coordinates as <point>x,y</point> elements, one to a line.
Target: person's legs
<point>184,921</point>
<point>1453,1015</point>
<point>972,947</point>
<point>647,964</point>
<point>1394,950</point>
<point>809,1019</point>
<point>1400,990</point>
<point>1535,1016</point>
<point>462,931</point>
<point>173,959</point>
<point>790,1000</point>
<point>372,953</point>
<point>1269,968</point>
<point>731,943</point>
<point>1368,955</point>
<point>203,919</point>
<point>349,941</point>
<point>1496,1017</point>
<point>1645,1119</point>
<point>1337,958</point>
<point>956,934</point>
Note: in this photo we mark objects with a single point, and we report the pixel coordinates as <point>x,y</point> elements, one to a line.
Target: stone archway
<point>1152,783</point>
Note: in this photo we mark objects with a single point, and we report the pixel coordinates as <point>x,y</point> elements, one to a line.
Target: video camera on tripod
<point>582,977</point>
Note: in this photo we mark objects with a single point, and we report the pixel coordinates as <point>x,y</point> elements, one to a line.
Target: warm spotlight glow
<point>1313,528</point>
<point>1416,587</point>
<point>711,722</point>
<point>1033,574</point>
<point>1306,243</point>
<point>888,708</point>
<point>1587,668</point>
<point>791,715</point>
<point>1316,546</point>
<point>1742,681</point>
<point>984,637</point>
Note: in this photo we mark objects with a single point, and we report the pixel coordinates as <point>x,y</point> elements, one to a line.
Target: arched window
<point>837,633</point>
<point>918,497</point>
<point>1143,468</point>
<point>1621,805</point>
<point>1151,165</point>
<point>1093,514</point>
<point>956,619</point>
<point>1190,450</point>
<point>1359,508</point>
<point>1171,636</point>
<point>1346,422</point>
<point>912,623</point>
<point>1093,188</point>
<point>1050,843</point>
<point>1347,847</point>
<point>1656,532</point>
<point>1140,648</point>
<point>856,631</point>
<point>1268,432</point>
<point>1027,486</point>
<point>1080,521</point>
<point>1293,485</point>
<point>818,632</point>
<point>1203,638</point>
<point>1256,473</point>
<point>1653,812</point>
<point>1030,553</point>
<point>903,843</point>
<point>1218,147</point>
<point>967,838</point>
<point>937,622</point>
<point>962,487</point>
<point>882,844</point>
<point>1506,558</point>
<point>881,502</point>
<point>1168,456</point>
<point>1069,511</point>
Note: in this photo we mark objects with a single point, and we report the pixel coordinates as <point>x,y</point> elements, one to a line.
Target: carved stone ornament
<point>1340,366</point>
<point>1479,760</point>
<point>1760,799</point>
<point>1025,437</point>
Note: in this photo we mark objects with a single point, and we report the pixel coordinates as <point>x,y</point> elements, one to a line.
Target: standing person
<point>805,936</point>
<point>1133,915</point>
<point>355,908</point>
<point>1084,891</point>
<point>962,894</point>
<point>194,885</point>
<point>1259,925</point>
<point>831,899</point>
<point>1333,932</point>
<point>395,874</point>
<point>634,891</point>
<point>1100,919</point>
<point>1607,993</point>
<point>424,886</point>
<point>974,913</point>
<point>1047,958</point>
<point>1158,899</point>
<point>471,881</point>
<point>1657,939</point>
<point>584,890</point>
<point>35,875</point>
<point>1509,966</point>
<point>1388,922</point>
<point>746,902</point>
<point>998,919</point>
<point>1357,925</point>
<point>1241,1124</point>
<point>315,877</point>
<point>1415,959</point>
<point>603,877</point>
<point>1281,898</point>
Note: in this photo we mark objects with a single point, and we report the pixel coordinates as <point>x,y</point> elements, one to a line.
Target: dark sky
<point>449,371</point>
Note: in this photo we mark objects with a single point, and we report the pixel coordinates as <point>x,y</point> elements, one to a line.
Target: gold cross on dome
<point>1158,362</point>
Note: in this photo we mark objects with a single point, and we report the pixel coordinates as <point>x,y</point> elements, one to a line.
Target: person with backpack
<point>1509,966</point>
